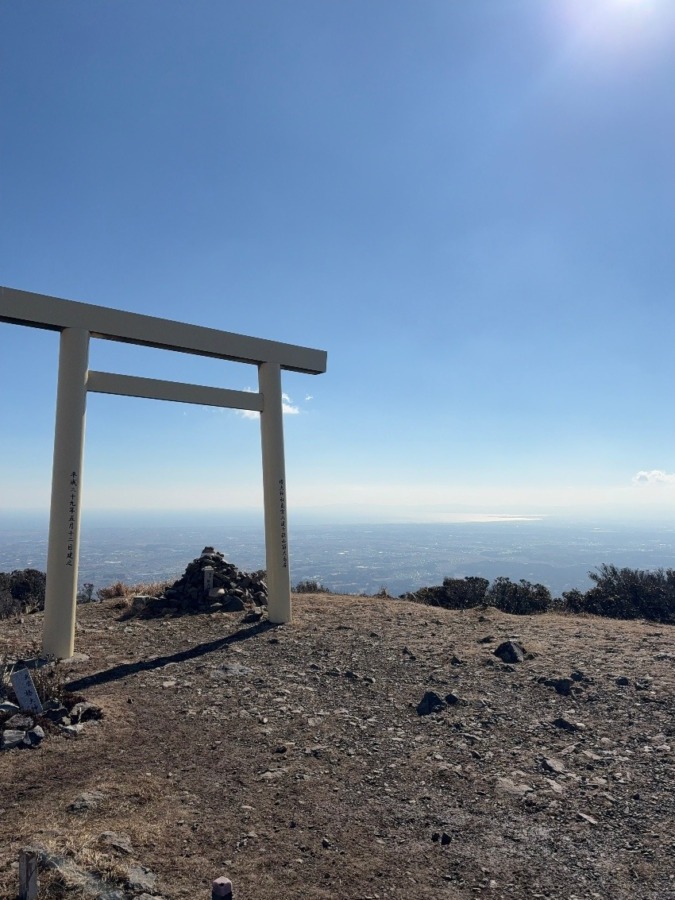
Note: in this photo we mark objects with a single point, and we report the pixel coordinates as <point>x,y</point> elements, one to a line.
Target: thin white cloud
<point>655,476</point>
<point>308,398</point>
<point>288,407</point>
<point>247,413</point>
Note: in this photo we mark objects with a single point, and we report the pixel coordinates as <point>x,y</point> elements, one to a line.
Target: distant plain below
<point>357,558</point>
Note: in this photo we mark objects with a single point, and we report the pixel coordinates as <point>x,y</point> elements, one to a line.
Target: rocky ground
<point>294,760</point>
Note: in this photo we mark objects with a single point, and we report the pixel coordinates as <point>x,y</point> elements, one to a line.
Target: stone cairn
<point>209,583</point>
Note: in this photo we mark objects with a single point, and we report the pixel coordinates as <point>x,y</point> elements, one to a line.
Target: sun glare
<point>617,25</point>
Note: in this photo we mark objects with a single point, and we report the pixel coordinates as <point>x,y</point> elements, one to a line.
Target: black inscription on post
<point>72,515</point>
<point>282,520</point>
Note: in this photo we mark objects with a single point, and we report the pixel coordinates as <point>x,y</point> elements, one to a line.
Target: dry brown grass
<point>121,590</point>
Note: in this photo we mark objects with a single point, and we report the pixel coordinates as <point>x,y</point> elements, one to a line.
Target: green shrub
<point>86,592</point>
<point>521,598</point>
<point>454,593</point>
<point>8,605</point>
<point>310,586</point>
<point>573,601</point>
<point>22,590</point>
<point>631,594</point>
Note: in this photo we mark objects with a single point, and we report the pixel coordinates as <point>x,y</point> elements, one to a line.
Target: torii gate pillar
<point>64,520</point>
<point>274,488</point>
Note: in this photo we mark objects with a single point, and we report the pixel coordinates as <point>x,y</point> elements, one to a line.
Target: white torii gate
<point>77,323</point>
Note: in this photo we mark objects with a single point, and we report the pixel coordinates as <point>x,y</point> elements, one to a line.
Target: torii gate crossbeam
<point>77,323</point>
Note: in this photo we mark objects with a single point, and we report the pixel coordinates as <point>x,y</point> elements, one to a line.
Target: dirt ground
<point>292,759</point>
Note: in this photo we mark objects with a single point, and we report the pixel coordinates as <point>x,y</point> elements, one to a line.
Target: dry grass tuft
<point>124,591</point>
<point>74,865</point>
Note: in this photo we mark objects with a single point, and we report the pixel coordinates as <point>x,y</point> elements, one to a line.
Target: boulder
<point>11,738</point>
<point>510,652</point>
<point>430,703</point>
<point>21,721</point>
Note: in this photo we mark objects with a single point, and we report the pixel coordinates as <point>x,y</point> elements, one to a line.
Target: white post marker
<point>208,578</point>
<point>64,521</point>
<point>221,888</point>
<point>29,700</point>
<point>274,490</point>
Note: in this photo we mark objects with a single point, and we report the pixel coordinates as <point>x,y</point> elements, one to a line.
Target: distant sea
<point>357,558</point>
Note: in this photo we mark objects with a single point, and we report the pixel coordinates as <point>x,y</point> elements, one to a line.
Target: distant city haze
<point>351,558</point>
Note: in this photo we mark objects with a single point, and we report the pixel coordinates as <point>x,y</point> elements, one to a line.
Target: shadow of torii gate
<point>77,323</point>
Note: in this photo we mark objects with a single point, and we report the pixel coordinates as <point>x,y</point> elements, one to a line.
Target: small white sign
<point>25,691</point>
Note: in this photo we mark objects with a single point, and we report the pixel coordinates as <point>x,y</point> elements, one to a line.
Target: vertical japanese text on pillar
<point>282,522</point>
<point>72,515</point>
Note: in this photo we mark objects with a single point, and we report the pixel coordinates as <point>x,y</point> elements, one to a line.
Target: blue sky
<point>469,205</point>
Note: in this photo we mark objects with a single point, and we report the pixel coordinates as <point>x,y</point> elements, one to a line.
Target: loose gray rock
<point>565,724</point>
<point>12,738</point>
<point>57,714</point>
<point>231,670</point>
<point>22,722</point>
<point>553,765</point>
<point>72,730</point>
<point>34,736</point>
<point>121,842</point>
<point>430,703</point>
<point>84,712</point>
<point>87,800</point>
<point>509,786</point>
<point>586,818</point>
<point>510,652</point>
<point>139,602</point>
<point>141,879</point>
<point>453,700</point>
<point>255,615</point>
<point>77,657</point>
<point>441,836</point>
<point>7,707</point>
<point>562,686</point>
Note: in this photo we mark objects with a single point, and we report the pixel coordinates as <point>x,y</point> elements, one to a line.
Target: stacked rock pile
<point>19,729</point>
<point>211,583</point>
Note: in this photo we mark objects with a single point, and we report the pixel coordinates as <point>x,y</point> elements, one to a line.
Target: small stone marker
<point>25,691</point>
<point>28,875</point>
<point>208,578</point>
<point>221,887</point>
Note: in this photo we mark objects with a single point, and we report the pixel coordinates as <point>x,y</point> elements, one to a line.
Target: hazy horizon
<point>352,558</point>
<point>302,515</point>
